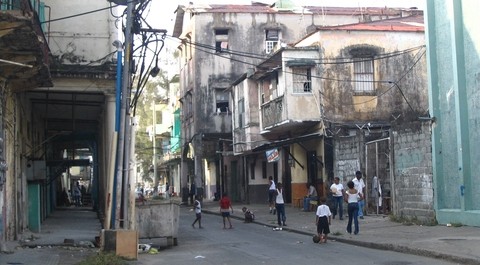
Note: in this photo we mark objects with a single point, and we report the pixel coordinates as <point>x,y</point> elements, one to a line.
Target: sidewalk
<point>456,244</point>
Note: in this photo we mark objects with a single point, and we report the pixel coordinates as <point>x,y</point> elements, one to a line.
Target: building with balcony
<point>329,108</point>
<point>218,44</point>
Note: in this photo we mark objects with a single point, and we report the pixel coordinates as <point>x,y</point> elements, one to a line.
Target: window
<point>189,106</point>
<point>241,113</point>
<point>302,80</point>
<point>271,37</point>
<point>221,40</point>
<point>363,74</point>
<point>221,99</point>
<point>159,117</point>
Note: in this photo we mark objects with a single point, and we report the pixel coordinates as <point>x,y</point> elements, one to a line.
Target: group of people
<point>77,194</point>
<point>353,196</point>
<point>225,210</point>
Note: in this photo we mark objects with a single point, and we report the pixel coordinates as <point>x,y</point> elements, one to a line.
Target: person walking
<point>352,196</point>
<point>271,194</point>
<point>280,205</point>
<point>225,207</point>
<point>311,195</point>
<point>323,220</point>
<point>360,187</point>
<point>337,190</point>
<point>167,191</point>
<point>197,207</point>
<point>77,194</point>
<point>193,191</point>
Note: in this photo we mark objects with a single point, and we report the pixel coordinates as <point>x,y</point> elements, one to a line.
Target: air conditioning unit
<point>36,170</point>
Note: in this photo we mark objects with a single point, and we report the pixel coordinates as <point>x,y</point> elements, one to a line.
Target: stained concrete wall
<point>158,219</point>
<point>341,101</point>
<point>413,176</point>
<point>80,39</point>
<point>348,155</point>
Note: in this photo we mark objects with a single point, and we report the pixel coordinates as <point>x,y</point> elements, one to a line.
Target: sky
<point>166,17</point>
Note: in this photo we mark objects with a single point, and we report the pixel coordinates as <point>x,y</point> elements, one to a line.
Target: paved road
<point>258,244</point>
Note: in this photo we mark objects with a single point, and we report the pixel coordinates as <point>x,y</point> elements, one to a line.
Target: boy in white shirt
<point>323,219</point>
<point>197,206</point>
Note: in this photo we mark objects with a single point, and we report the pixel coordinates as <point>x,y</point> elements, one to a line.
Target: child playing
<point>249,216</point>
<point>323,220</point>
<point>198,213</point>
<point>225,207</point>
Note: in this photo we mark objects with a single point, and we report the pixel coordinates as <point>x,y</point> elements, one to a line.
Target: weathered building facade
<point>373,90</point>
<point>278,127</point>
<point>219,44</point>
<point>58,106</point>
<point>355,104</point>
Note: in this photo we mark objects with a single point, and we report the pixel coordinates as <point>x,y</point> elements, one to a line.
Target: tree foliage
<point>155,89</point>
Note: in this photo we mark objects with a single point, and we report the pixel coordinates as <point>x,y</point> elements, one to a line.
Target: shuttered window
<point>363,75</point>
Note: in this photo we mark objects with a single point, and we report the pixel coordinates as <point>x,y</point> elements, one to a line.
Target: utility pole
<point>121,181</point>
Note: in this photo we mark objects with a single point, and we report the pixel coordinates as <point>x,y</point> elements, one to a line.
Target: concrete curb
<point>372,245</point>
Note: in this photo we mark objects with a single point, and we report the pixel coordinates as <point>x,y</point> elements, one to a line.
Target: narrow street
<point>258,244</point>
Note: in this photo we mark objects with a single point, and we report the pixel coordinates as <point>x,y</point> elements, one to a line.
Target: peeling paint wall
<point>413,185</point>
<point>341,102</point>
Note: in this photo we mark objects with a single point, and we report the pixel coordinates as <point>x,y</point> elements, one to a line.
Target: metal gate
<point>379,176</point>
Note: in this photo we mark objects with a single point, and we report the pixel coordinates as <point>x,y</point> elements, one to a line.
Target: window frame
<point>222,105</point>
<point>363,75</point>
<point>302,81</point>
<point>221,39</point>
<point>271,40</point>
<point>241,113</point>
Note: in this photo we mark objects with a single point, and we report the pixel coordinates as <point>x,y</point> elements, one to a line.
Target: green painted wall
<point>34,207</point>
<point>453,42</point>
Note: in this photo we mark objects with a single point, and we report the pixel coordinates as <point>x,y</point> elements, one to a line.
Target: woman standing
<point>280,205</point>
<point>352,197</point>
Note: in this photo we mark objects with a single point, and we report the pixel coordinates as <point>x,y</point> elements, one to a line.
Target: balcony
<point>272,112</point>
<point>24,52</point>
<point>289,114</point>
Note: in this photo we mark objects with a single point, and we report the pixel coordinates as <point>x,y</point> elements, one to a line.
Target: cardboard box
<point>123,242</point>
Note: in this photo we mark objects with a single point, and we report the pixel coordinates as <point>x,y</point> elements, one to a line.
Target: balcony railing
<point>272,112</point>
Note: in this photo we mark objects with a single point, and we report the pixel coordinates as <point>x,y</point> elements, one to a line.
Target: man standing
<point>360,187</point>
<point>272,189</point>
<point>337,190</point>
